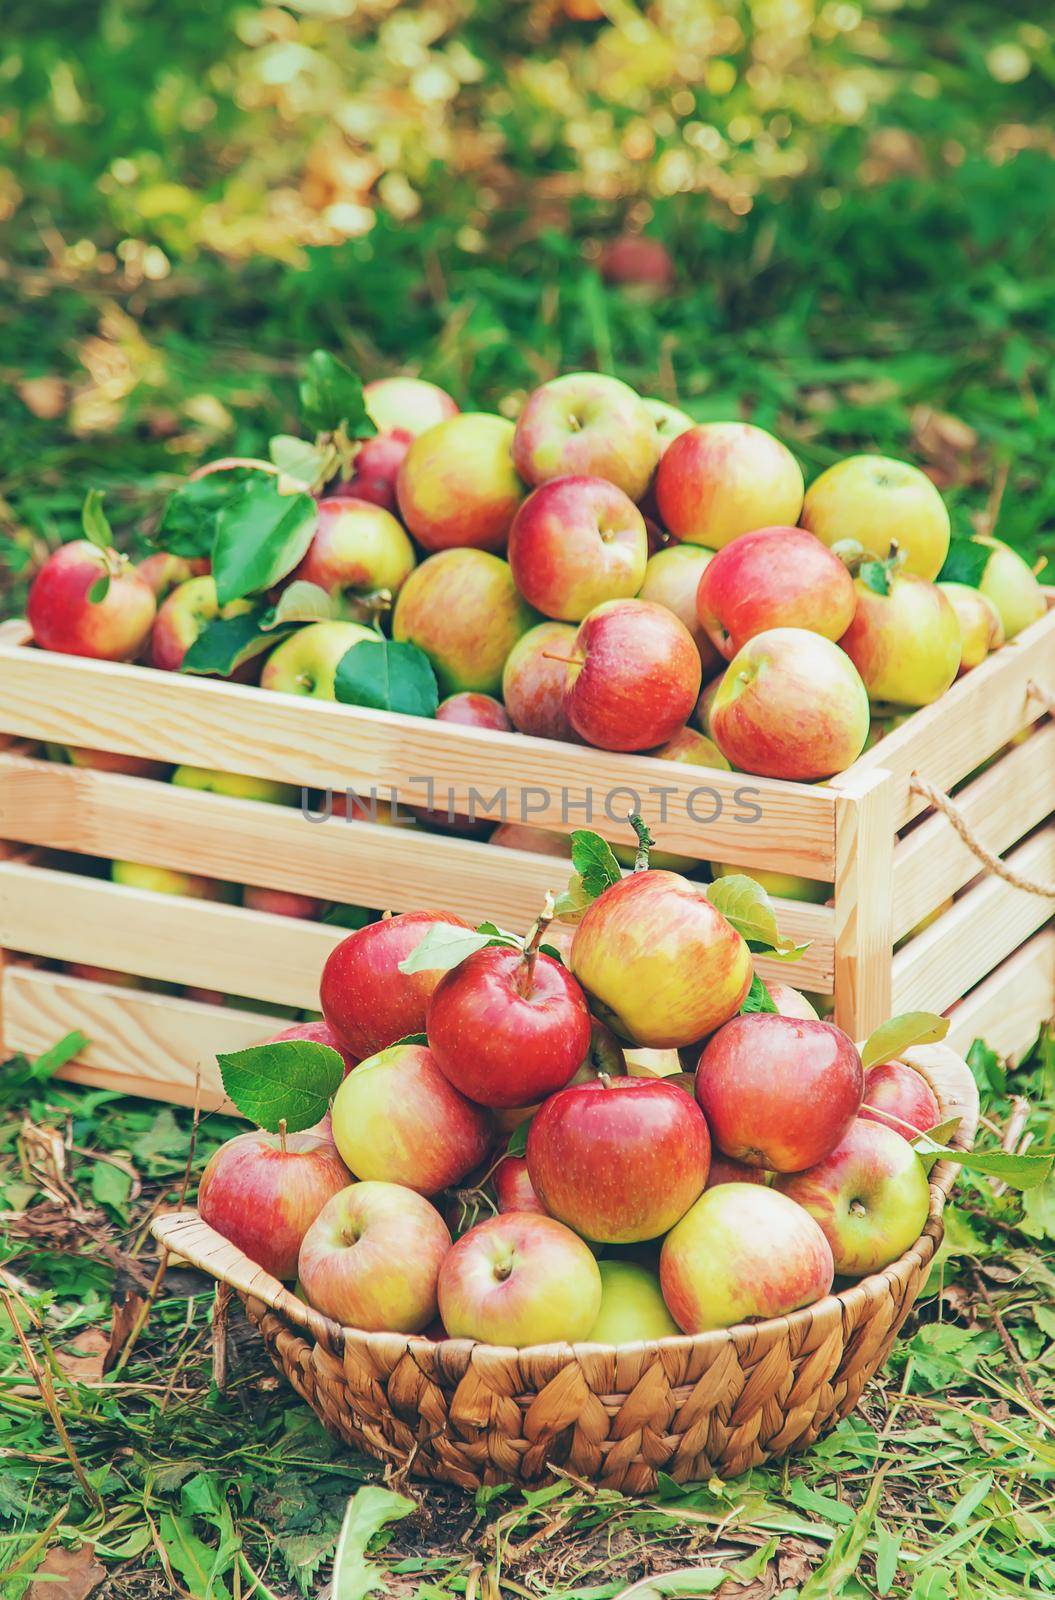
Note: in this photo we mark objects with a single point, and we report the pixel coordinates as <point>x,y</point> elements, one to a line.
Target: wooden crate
<point>989,958</point>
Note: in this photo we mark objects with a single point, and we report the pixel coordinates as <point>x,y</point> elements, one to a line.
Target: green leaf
<point>387,676</point>
<point>188,522</point>
<point>574,900</point>
<point>758,998</point>
<point>49,1062</point>
<point>99,590</point>
<point>445,946</point>
<point>832,1578</point>
<point>370,1509</point>
<point>594,861</point>
<point>331,397</point>
<point>900,1033</point>
<point>111,1186</point>
<point>94,521</point>
<point>195,1562</point>
<point>290,1080</point>
<point>965,563</point>
<point>875,576</point>
<point>225,643</point>
<point>261,535</point>
<point>517,1142</point>
<point>300,602</point>
<point>1018,1172</point>
<point>747,907</point>
<point>686,1581</point>
<point>308,463</point>
<point>888,1551</point>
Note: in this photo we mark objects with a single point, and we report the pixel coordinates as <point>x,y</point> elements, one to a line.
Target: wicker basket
<point>691,1407</point>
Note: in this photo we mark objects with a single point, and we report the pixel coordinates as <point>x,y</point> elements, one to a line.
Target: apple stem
<point>569,661</point>
<point>525,973</point>
<point>606,1052</point>
<point>386,916</point>
<point>282,1135</point>
<point>604,1080</point>
<point>645,842</point>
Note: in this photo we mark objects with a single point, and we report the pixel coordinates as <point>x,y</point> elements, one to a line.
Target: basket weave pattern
<point>692,1407</point>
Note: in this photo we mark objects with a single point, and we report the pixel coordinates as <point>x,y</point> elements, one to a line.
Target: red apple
<point>774,578</point>
<point>634,677</point>
<point>183,616</point>
<point>372,1258</point>
<point>725,1170</point>
<point>742,1252</point>
<point>519,1280</point>
<point>870,1196</point>
<point>574,543</point>
<point>662,964</point>
<point>319,1032</point>
<point>899,1098</point>
<point>514,1190</point>
<point>586,423</point>
<point>906,643</point>
<point>619,1161</point>
<point>791,705</point>
<point>113,761</point>
<point>283,903</point>
<point>466,710</point>
<point>62,617</point>
<point>264,1197</point>
<point>537,841</point>
<point>633,259</point>
<point>672,579</point>
<point>779,1092</point>
<point>533,681</point>
<point>508,1027</point>
<point>790,1002</point>
<point>377,465</point>
<point>723,479</point>
<point>118,980</point>
<point>397,1119</point>
<point>365,998</point>
<point>457,484</point>
<point>463,609</point>
<point>357,548</point>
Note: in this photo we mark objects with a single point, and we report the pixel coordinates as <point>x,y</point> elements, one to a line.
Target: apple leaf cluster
<point>290,1081</point>
<point>966,562</point>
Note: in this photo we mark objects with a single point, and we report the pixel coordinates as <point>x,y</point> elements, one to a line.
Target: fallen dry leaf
<point>67,1574</point>
<point>84,1358</point>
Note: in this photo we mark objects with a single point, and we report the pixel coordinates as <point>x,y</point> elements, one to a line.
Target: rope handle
<point>992,862</point>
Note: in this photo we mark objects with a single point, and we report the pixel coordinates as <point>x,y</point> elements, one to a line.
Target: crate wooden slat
<point>1005,1007</point>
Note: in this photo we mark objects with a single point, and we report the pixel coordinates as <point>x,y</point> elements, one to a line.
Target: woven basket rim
<point>185,1234</point>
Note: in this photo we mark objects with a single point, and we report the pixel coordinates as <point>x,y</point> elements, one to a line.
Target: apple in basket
<point>372,1257</point>
<point>900,1098</point>
<point>368,1002</point>
<point>519,1280</point>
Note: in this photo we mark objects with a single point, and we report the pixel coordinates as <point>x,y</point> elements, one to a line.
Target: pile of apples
<point>577,1136</point>
<point>602,570</point>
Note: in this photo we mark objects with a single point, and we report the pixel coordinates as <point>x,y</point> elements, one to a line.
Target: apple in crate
<point>364,997</point>
<point>791,1002</point>
<point>237,785</point>
<point>870,1195</point>
<point>773,578</point>
<point>779,1092</point>
<point>514,1190</point>
<point>981,630</point>
<point>357,548</point>
<point>905,642</point>
<point>63,617</point>
<point>508,1027</point>
<point>465,710</point>
<point>743,1251</point>
<point>537,841</point>
<point>372,1257</point>
<point>283,903</point>
<point>1009,582</point>
<point>880,503</point>
<point>113,761</point>
<point>411,405</point>
<point>619,1160</point>
<point>633,676</point>
<point>672,579</point>
<point>396,1118</point>
<point>632,1306</point>
<point>663,965</point>
<point>519,1280</point>
<point>183,616</point>
<point>462,608</point>
<point>574,543</point>
<point>723,479</point>
<point>899,1098</point>
<point>533,681</point>
<point>782,885</point>
<point>791,705</point>
<point>166,880</point>
<point>725,1170</point>
<point>587,423</point>
<point>457,484</point>
<point>306,663</point>
<point>165,572</point>
<point>264,1196</point>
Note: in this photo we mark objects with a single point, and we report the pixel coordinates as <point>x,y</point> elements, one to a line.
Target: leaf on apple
<point>901,1033</point>
<point>576,899</point>
<point>99,590</point>
<point>875,576</point>
<point>746,906</point>
<point>226,643</point>
<point>445,946</point>
<point>388,675</point>
<point>261,535</point>
<point>517,1142</point>
<point>290,1081</point>
<point>965,563</point>
<point>95,522</point>
<point>188,522</point>
<point>311,464</point>
<point>758,998</point>
<point>1018,1172</point>
<point>300,602</point>
<point>331,398</point>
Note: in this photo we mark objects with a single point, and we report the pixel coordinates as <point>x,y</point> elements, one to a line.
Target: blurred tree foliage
<point>858,200</point>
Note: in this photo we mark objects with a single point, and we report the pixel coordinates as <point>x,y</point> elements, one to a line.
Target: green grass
<point>942,1485</point>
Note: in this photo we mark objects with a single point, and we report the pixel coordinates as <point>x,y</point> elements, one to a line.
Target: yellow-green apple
<point>237,785</point>
<point>538,841</point>
<point>319,1032</point>
<point>533,681</point>
<point>306,663</point>
<point>1010,584</point>
<point>372,1258</point>
<point>519,1280</point>
<point>702,714</point>
<point>779,1092</point>
<point>791,705</point>
<point>513,1188</point>
<point>782,885</point>
<point>905,643</point>
<point>63,616</point>
<point>672,579</point>
<point>263,1193</point>
<point>364,997</point>
<point>773,578</point>
<point>398,1119</point>
<point>357,548</point>
<point>725,1170</point>
<point>663,964</point>
<point>695,750</point>
<point>981,629</point>
<point>508,1027</point>
<point>900,1098</point>
<point>112,761</point>
<point>722,479</point>
<point>165,572</point>
<point>632,1306</point>
<point>880,503</point>
<point>574,543</point>
<point>633,259</point>
<point>457,484</point>
<point>407,405</point>
<point>283,903</point>
<point>632,677</point>
<point>587,423</point>
<point>670,422</point>
<point>869,1195</point>
<point>619,1160</point>
<point>184,615</point>
<point>791,1002</point>
<point>742,1252</point>
<point>462,608</point>
<point>165,880</point>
